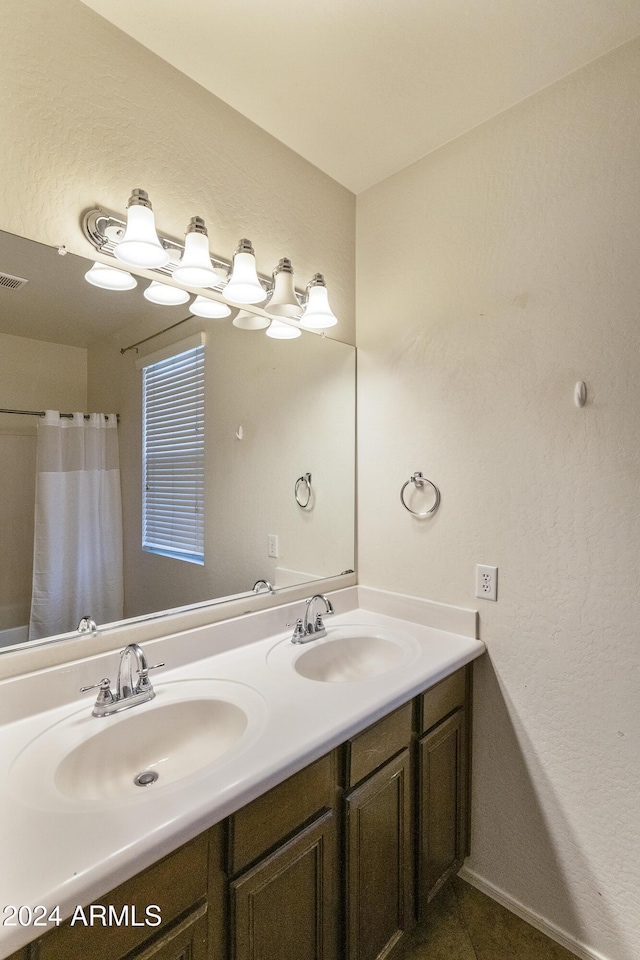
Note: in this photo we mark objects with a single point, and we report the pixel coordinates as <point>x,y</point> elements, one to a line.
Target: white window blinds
<point>173,456</point>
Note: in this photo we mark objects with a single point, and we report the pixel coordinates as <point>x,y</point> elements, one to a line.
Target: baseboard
<point>550,930</point>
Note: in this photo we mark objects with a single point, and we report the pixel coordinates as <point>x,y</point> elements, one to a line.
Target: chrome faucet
<point>132,686</point>
<point>312,628</point>
<point>87,625</point>
<point>259,584</point>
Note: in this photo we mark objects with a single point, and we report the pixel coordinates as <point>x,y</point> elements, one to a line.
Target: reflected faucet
<point>132,686</point>
<point>87,625</point>
<point>259,584</point>
<point>311,628</point>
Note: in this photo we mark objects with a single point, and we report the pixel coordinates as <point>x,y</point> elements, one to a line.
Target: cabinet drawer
<point>441,700</point>
<point>174,885</point>
<point>272,817</point>
<point>374,746</point>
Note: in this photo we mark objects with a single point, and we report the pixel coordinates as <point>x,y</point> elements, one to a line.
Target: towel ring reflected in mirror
<point>419,481</point>
<point>302,490</point>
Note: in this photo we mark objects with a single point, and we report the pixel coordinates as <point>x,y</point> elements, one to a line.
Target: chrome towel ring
<point>301,499</point>
<point>420,481</point>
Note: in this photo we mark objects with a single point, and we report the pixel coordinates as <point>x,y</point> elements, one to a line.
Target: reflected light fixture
<point>317,314</point>
<point>244,285</point>
<point>110,278</point>
<point>283,331</point>
<point>211,309</point>
<point>165,294</point>
<point>283,301</point>
<point>194,268</point>
<point>249,321</point>
<point>140,246</point>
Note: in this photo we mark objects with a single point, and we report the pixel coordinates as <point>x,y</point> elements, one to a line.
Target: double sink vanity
<point>273,800</point>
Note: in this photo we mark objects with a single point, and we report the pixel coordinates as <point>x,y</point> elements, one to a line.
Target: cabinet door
<point>442,789</point>
<point>379,861</point>
<point>286,906</point>
<point>187,940</point>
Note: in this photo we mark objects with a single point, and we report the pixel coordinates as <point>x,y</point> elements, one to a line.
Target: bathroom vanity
<point>322,835</point>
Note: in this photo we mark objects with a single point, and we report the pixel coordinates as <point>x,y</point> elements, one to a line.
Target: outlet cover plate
<point>486,582</point>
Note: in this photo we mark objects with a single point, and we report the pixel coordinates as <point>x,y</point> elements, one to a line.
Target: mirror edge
<point>65,648</point>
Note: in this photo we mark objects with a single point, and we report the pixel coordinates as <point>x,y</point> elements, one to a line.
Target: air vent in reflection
<point>11,283</point>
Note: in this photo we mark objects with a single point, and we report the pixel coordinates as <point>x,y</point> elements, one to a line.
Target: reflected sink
<point>346,654</point>
<point>190,727</point>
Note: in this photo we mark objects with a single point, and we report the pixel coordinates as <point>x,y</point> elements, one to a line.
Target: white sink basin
<point>346,655</point>
<point>190,727</point>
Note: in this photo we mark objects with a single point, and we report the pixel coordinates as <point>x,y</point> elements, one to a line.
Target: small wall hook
<point>580,393</point>
<point>239,433</point>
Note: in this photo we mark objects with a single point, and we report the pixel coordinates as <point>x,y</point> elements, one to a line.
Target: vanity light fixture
<point>211,309</point>
<point>110,278</point>
<point>317,314</point>
<point>250,321</point>
<point>244,285</point>
<point>165,294</point>
<point>194,269</point>
<point>278,330</point>
<point>283,301</point>
<point>134,241</point>
<point>140,246</point>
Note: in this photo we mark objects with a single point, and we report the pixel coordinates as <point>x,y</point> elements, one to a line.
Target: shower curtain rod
<point>41,413</point>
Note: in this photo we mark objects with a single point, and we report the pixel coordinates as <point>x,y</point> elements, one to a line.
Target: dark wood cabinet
<point>328,864</point>
<point>286,905</point>
<point>186,940</point>
<point>442,786</point>
<point>379,861</point>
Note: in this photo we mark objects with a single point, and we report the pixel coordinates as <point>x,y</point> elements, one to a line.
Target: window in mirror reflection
<point>173,452</point>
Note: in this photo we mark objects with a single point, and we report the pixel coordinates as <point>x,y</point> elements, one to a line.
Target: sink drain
<point>146,778</point>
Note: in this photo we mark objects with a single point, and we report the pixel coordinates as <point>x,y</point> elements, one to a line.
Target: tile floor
<point>464,924</point>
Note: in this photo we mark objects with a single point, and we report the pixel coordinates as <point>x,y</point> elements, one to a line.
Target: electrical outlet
<point>486,582</point>
<point>273,547</point>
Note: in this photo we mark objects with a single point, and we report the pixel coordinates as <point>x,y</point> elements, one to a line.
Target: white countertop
<point>65,852</point>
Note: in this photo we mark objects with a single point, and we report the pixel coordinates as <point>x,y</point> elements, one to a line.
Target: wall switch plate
<point>273,546</point>
<point>486,582</point>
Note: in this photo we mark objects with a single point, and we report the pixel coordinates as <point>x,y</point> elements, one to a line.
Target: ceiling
<point>362,88</point>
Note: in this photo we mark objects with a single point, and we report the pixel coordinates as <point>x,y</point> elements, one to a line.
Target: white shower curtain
<point>77,557</point>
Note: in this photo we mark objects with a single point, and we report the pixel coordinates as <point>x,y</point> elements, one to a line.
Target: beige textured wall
<point>511,271</point>
<point>87,114</point>
<point>34,375</point>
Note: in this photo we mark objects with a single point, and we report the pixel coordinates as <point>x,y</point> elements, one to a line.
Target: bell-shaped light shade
<point>140,246</point>
<point>247,321</point>
<point>283,302</point>
<point>317,314</point>
<point>165,294</point>
<point>244,285</point>
<point>212,309</point>
<point>110,278</point>
<point>194,269</point>
<point>283,331</point>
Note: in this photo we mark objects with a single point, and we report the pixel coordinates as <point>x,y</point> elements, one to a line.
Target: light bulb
<point>194,269</point>
<point>165,294</point>
<point>212,309</point>
<point>283,331</point>
<point>244,285</point>
<point>283,302</point>
<point>140,246</point>
<point>248,321</point>
<point>110,278</point>
<point>317,314</point>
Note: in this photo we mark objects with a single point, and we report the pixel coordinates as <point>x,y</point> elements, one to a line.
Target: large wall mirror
<point>274,411</point>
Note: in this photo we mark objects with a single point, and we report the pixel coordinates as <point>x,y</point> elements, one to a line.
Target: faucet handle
<point>104,684</point>
<point>143,676</point>
<point>298,630</point>
<point>105,695</point>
